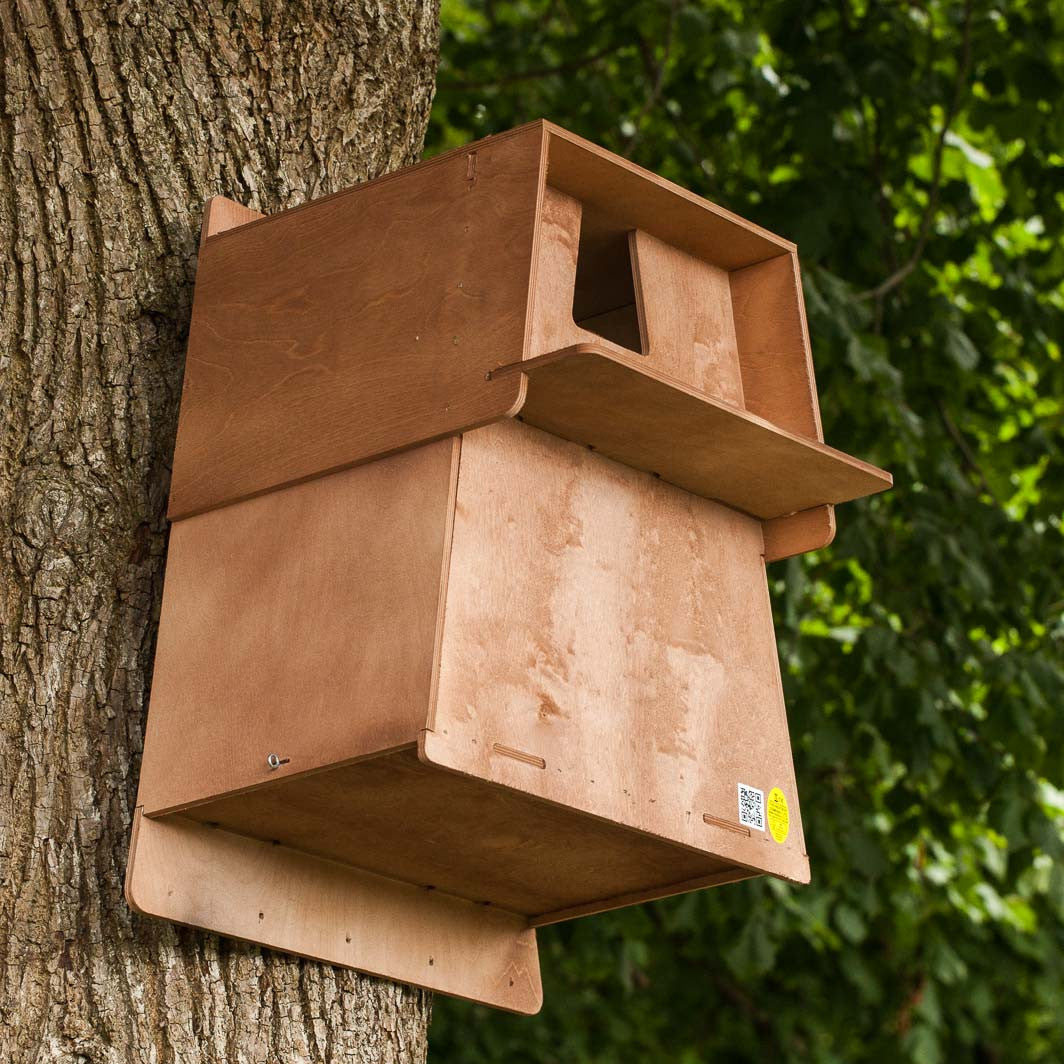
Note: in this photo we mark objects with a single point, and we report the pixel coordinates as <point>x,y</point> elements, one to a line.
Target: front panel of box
<point>608,645</point>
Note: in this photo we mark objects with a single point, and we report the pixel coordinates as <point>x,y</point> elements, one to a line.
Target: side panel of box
<point>608,645</point>
<point>778,378</point>
<point>359,324</point>
<point>680,312</point>
<point>301,623</point>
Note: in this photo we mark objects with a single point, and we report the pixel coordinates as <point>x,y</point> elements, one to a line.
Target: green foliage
<point>915,152</point>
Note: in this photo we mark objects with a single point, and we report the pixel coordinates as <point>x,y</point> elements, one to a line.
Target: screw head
<point>273,761</point>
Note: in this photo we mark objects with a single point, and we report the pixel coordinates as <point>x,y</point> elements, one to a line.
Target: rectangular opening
<point>604,299</point>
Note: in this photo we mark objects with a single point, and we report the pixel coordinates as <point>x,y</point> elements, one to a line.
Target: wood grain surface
<point>301,623</point>
<point>557,249</point>
<point>221,214</point>
<point>205,877</point>
<point>358,324</point>
<point>797,533</point>
<point>640,199</point>
<point>511,677</point>
<point>600,396</point>
<point>685,305</point>
<point>773,342</point>
<point>619,629</point>
<point>493,845</point>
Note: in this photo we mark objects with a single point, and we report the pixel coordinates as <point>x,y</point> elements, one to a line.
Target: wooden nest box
<point>466,627</point>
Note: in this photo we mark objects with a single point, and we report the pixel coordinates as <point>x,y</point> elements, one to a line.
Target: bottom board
<point>398,817</point>
<point>213,879</point>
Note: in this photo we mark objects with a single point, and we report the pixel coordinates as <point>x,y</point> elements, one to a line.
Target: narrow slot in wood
<point>728,825</point>
<point>519,755</point>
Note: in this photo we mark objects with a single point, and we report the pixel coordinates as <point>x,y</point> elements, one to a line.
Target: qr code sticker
<point>751,807</point>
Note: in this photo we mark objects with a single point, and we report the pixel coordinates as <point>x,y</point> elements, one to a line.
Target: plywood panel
<point>797,533</point>
<point>777,372</point>
<point>398,817</point>
<point>685,304</point>
<point>616,631</point>
<point>773,341</point>
<point>301,623</point>
<point>565,309</point>
<point>599,396</point>
<point>557,249</point>
<point>358,324</point>
<point>182,871</point>
<point>731,874</point>
<point>221,214</point>
<point>640,199</point>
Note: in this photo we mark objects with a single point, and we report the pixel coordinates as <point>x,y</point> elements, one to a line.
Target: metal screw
<point>276,762</point>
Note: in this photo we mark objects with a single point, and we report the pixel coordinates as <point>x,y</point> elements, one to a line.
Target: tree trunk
<point>119,120</point>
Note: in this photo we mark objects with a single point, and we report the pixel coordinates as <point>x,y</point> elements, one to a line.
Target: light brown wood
<point>777,371</point>
<point>380,314</point>
<point>686,306</point>
<point>797,533</point>
<point>205,877</point>
<point>620,901</point>
<point>552,324</point>
<point>301,623</point>
<point>398,817</point>
<point>478,470</point>
<point>221,214</point>
<point>773,343</point>
<point>571,584</point>
<point>372,316</point>
<point>584,283</point>
<point>639,199</point>
<point>619,629</point>
<point>602,397</point>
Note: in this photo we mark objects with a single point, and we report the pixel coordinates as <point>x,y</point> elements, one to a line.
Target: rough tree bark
<point>119,120</point>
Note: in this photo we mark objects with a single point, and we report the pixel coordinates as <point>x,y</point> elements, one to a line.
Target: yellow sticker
<point>779,816</point>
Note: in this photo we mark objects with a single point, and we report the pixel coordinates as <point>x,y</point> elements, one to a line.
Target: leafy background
<point>914,153</point>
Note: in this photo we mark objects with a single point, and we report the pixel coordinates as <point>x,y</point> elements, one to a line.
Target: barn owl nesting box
<point>466,627</point>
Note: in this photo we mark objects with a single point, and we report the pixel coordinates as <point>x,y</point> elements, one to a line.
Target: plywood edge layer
<point>581,168</point>
<point>445,572</point>
<point>667,890</point>
<point>220,214</point>
<point>289,901</point>
<point>532,128</point>
<point>605,350</point>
